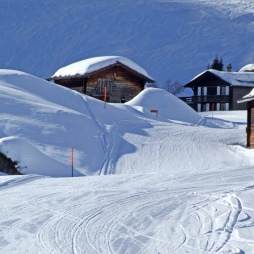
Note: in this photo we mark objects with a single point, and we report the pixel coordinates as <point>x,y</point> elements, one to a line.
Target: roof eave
<point>148,79</point>
<point>203,73</point>
<point>245,99</point>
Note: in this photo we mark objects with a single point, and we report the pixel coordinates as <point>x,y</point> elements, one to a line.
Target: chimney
<point>229,67</point>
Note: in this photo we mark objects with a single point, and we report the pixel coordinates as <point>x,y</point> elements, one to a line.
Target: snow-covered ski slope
<point>170,39</point>
<point>41,122</point>
<point>179,182</point>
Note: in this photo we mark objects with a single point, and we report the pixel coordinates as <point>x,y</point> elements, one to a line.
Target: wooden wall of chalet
<point>237,93</point>
<point>125,83</point>
<point>77,84</point>
<point>250,124</point>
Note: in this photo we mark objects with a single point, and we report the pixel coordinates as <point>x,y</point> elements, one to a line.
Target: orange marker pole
<point>212,108</point>
<point>105,95</point>
<point>72,161</point>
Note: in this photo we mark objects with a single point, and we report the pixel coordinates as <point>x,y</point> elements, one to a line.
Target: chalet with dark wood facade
<point>122,78</point>
<point>219,90</point>
<point>248,100</point>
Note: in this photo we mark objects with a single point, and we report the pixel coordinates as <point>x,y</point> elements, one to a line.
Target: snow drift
<point>168,105</point>
<point>40,122</point>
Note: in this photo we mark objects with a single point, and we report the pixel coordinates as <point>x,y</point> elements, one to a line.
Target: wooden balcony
<point>206,99</point>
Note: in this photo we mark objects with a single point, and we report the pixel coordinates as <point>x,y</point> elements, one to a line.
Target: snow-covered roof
<point>247,68</point>
<point>247,97</point>
<point>245,79</point>
<point>90,65</point>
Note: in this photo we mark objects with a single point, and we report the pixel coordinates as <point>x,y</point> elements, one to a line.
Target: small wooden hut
<point>249,100</point>
<point>122,78</point>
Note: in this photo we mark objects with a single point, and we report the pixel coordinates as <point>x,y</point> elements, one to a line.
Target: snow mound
<point>52,119</point>
<point>168,105</point>
<point>31,160</point>
<point>40,122</point>
<point>96,63</point>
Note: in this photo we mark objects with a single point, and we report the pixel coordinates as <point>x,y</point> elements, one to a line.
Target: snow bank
<point>52,119</point>
<point>40,122</point>
<point>168,105</point>
<point>30,160</point>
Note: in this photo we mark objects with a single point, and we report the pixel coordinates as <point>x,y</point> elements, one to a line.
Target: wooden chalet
<point>248,100</point>
<point>219,90</point>
<point>122,78</point>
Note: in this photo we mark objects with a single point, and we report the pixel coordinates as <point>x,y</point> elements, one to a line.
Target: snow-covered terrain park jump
<point>179,182</point>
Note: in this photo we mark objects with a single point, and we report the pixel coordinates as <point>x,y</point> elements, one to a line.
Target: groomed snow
<point>179,182</point>
<point>96,63</point>
<point>206,212</point>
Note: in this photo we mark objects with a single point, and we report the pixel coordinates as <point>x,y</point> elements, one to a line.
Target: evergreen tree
<point>217,64</point>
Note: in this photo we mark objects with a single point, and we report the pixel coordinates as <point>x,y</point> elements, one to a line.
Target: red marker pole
<point>72,161</point>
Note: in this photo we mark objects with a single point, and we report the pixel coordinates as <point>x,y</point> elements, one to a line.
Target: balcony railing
<point>206,99</point>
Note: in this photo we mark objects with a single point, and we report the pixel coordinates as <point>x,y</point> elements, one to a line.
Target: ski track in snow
<point>102,133</point>
<point>18,181</point>
<point>209,237</point>
<point>131,214</point>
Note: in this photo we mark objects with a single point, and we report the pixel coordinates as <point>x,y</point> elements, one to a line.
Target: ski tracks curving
<point>209,225</point>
